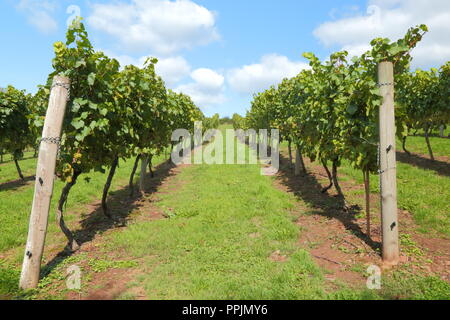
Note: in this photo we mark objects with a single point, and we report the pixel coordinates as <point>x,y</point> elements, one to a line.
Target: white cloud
<point>171,69</point>
<point>159,26</point>
<point>39,14</point>
<point>391,19</point>
<point>207,88</point>
<point>124,59</point>
<point>269,71</point>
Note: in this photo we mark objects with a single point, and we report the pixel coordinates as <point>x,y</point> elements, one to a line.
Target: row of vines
<point>113,114</point>
<point>330,111</point>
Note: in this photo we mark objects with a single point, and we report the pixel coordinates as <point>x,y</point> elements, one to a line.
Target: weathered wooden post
<point>388,165</point>
<point>45,176</point>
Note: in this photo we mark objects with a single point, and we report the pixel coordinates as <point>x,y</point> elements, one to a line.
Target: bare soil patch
<point>441,165</point>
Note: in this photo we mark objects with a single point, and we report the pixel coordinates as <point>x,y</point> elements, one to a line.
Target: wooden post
<point>45,174</point>
<point>367,195</point>
<point>388,175</point>
<point>144,164</point>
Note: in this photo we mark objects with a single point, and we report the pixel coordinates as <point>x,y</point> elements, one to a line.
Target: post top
<point>386,63</point>
<point>61,79</point>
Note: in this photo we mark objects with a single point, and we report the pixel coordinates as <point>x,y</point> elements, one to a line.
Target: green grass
<point>9,277</point>
<point>403,285</point>
<point>8,171</point>
<point>424,193</point>
<point>15,203</point>
<point>225,222</point>
<point>417,144</point>
<point>15,207</point>
<point>217,243</point>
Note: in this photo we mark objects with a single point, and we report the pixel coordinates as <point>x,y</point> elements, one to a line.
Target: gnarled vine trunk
<point>290,152</point>
<point>112,171</point>
<point>299,163</point>
<point>336,182</point>
<point>143,174</point>
<point>133,172</point>
<point>72,243</point>
<point>427,139</point>
<point>330,178</point>
<point>404,145</point>
<point>150,165</point>
<point>19,171</point>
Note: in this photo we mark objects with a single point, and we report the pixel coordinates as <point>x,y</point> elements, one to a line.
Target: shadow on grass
<point>9,161</point>
<point>120,204</point>
<point>16,184</point>
<point>440,167</point>
<point>431,135</point>
<point>307,188</point>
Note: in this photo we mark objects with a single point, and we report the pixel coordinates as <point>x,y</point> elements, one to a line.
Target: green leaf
<point>80,63</point>
<point>77,124</point>
<point>375,91</point>
<point>91,79</point>
<point>351,109</point>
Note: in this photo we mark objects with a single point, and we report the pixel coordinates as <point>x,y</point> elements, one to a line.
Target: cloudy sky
<point>218,52</point>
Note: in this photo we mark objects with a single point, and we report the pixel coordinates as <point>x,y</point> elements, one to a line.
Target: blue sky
<point>219,52</point>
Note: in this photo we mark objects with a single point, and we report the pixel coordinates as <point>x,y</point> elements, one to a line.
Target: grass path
<point>229,235</point>
<point>215,232</point>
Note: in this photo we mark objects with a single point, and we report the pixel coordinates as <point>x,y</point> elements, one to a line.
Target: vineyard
<point>86,180</point>
<point>330,113</point>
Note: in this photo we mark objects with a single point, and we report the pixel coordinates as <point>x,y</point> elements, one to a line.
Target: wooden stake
<point>388,176</point>
<point>45,173</point>
<point>367,194</point>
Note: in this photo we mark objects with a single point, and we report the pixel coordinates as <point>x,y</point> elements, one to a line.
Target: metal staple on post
<point>54,140</point>
<point>385,84</point>
<point>63,85</point>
